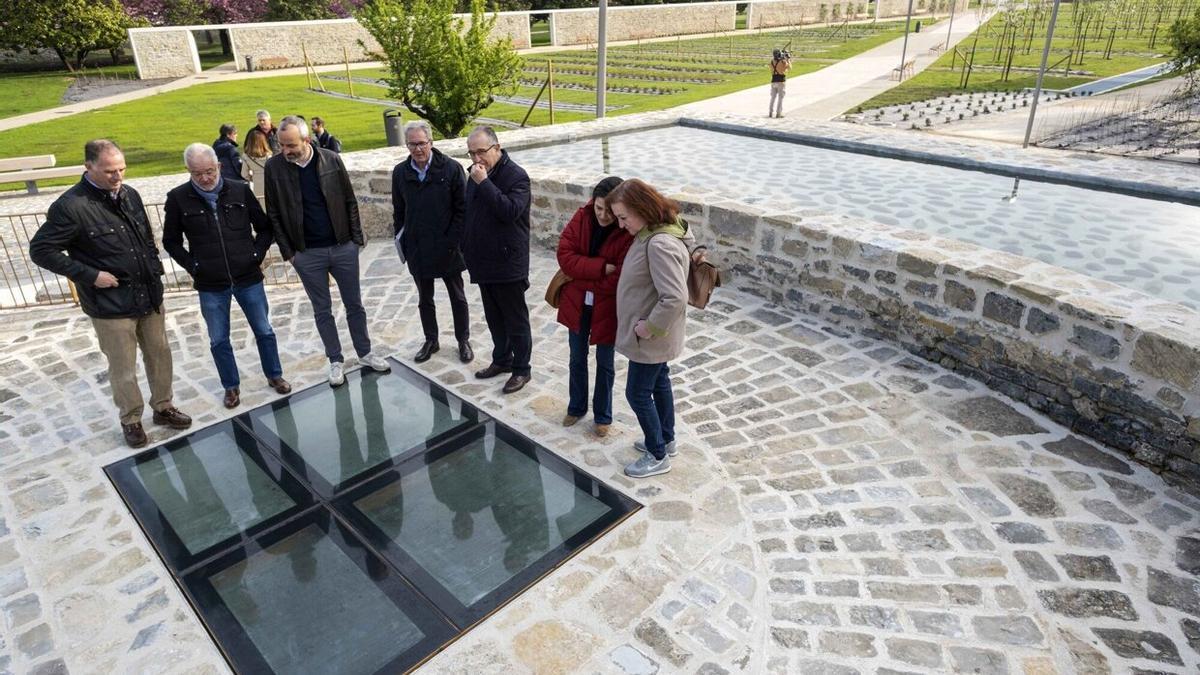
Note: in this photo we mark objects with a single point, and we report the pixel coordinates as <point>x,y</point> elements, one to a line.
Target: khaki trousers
<point>119,341</point>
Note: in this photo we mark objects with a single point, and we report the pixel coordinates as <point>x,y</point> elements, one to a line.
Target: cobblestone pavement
<point>837,506</point>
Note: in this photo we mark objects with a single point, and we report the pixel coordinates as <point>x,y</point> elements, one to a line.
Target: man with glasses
<point>314,216</point>
<point>97,235</point>
<point>224,257</point>
<point>496,248</point>
<point>428,208</point>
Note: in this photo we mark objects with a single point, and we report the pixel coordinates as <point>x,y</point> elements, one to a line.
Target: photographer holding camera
<point>781,62</point>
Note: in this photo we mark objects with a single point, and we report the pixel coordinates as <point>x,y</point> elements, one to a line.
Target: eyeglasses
<point>417,146</point>
<point>481,153</point>
<point>207,173</point>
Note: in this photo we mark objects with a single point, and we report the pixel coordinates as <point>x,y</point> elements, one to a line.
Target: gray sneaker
<point>375,362</point>
<point>640,446</point>
<point>647,466</point>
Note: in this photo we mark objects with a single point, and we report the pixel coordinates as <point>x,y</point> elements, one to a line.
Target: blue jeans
<point>648,390</point>
<point>214,307</point>
<point>605,374</point>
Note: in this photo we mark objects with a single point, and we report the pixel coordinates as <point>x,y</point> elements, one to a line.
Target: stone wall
<point>161,52</point>
<point>578,26</point>
<point>898,8</point>
<point>796,12</point>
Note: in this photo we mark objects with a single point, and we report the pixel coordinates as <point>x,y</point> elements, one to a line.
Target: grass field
<point>644,77</point>
<point>28,92</point>
<point>1092,40</point>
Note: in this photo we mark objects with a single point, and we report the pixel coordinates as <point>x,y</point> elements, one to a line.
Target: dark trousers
<point>458,307</point>
<point>605,373</point>
<point>648,390</point>
<point>507,318</point>
<point>315,266</point>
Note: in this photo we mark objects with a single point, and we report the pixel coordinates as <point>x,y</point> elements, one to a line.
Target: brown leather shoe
<point>280,385</point>
<point>232,397</point>
<point>569,420</point>
<point>171,417</point>
<point>491,371</point>
<point>602,429</point>
<point>516,383</point>
<point>135,435</point>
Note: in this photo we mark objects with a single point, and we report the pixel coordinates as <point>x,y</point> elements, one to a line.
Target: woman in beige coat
<point>254,161</point>
<point>651,299</point>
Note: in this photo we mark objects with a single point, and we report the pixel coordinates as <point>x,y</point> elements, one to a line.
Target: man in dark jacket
<point>216,215</point>
<point>428,207</point>
<point>267,130</point>
<point>323,137</point>
<point>97,235</point>
<point>314,216</point>
<point>496,247</point>
<point>226,148</point>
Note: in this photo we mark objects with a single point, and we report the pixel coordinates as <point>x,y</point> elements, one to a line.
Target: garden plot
<point>946,110</point>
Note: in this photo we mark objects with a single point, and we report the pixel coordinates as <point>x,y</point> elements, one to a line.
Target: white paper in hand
<point>399,248</point>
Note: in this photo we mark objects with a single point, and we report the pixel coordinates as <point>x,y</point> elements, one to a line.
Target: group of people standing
<point>627,290</point>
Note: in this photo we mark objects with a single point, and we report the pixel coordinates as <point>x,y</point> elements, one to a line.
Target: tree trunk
<point>79,57</point>
<point>115,53</point>
<point>62,56</point>
<point>226,44</point>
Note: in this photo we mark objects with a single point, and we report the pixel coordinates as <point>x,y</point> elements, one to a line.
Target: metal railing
<point>27,285</point>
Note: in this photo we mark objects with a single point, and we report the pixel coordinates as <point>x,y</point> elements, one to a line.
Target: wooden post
<point>349,80</point>
<point>307,75</point>
<point>550,80</point>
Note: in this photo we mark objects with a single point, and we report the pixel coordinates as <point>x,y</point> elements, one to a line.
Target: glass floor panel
<point>371,421</point>
<point>358,529</point>
<point>487,511</point>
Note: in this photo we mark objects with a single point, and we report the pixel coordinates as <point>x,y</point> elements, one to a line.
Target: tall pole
<point>1037,92</point>
<point>950,30</point>
<point>904,51</point>
<point>601,56</point>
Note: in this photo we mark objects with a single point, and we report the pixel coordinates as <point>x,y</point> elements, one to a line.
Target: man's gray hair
<point>294,121</point>
<point>197,150</point>
<point>418,124</point>
<point>262,113</point>
<point>93,150</point>
<point>487,132</point>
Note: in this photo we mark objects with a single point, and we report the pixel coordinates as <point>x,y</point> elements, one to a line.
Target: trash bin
<point>249,63</point>
<point>393,127</point>
<point>918,30</point>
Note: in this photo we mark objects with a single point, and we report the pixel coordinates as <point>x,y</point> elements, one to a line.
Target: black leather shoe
<point>465,353</point>
<point>492,371</point>
<point>428,349</point>
<point>232,397</point>
<point>172,417</point>
<point>516,383</point>
<point>135,435</point>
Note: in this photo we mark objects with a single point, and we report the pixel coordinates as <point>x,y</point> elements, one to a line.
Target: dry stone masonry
<point>164,52</point>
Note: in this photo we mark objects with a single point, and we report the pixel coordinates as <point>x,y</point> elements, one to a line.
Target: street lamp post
<point>1037,92</point>
<point>950,30</point>
<point>601,56</point>
<point>904,51</point>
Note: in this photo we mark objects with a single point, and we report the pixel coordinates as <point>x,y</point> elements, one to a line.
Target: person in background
<point>314,216</point>
<point>97,235</point>
<point>226,148</point>
<point>591,250</point>
<point>428,213</point>
<point>223,254</point>
<point>266,130</point>
<point>781,62</point>
<point>496,248</point>
<point>323,137</point>
<point>254,162</point>
<point>651,299</point>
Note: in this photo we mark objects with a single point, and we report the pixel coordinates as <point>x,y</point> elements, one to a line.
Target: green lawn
<point>22,93</point>
<point>539,33</point>
<point>1129,50</point>
<point>153,146</point>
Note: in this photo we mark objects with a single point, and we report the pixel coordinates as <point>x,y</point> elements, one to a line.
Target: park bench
<point>904,71</point>
<point>30,170</point>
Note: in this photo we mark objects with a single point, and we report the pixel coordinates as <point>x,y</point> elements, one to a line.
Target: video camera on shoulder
<point>782,55</point>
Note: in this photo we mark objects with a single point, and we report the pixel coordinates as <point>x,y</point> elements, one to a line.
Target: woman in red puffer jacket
<point>591,250</point>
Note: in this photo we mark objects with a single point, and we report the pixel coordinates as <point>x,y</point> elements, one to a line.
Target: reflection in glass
<point>372,418</point>
<point>209,490</point>
<point>475,517</point>
<point>308,608</point>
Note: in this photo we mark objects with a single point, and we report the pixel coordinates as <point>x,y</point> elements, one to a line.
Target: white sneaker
<point>640,446</point>
<point>646,466</point>
<point>337,373</point>
<point>375,362</point>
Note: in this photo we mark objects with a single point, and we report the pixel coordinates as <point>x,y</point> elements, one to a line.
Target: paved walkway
<point>829,92</point>
<point>837,506</point>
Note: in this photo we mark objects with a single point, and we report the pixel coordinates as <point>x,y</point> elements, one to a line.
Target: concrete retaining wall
<point>164,52</point>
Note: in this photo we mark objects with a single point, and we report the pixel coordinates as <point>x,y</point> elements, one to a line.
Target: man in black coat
<point>97,235</point>
<point>314,216</point>
<point>322,136</point>
<point>226,148</point>
<point>496,248</point>
<point>428,207</point>
<point>224,257</point>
